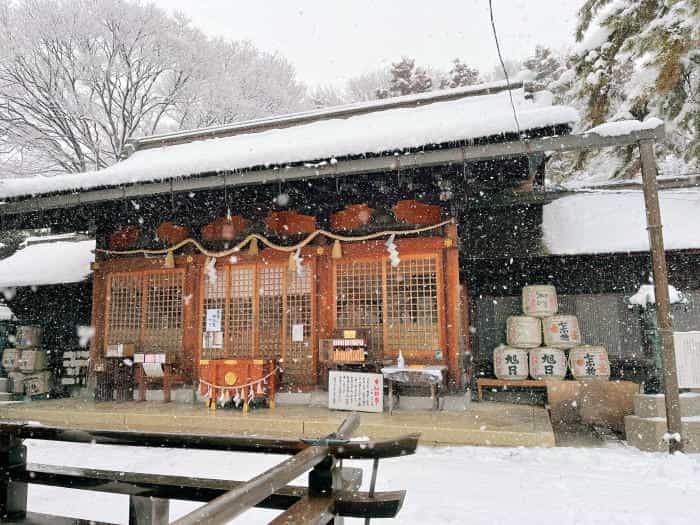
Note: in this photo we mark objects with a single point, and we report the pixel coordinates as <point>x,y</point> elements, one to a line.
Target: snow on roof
<point>610,222</point>
<point>375,132</point>
<point>57,262</point>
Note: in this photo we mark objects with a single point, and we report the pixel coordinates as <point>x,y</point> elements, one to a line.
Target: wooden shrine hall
<point>244,255</point>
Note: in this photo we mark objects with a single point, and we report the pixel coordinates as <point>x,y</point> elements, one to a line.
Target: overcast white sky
<point>331,40</point>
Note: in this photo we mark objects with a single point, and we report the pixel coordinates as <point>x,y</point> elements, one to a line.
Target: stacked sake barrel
<point>538,341</point>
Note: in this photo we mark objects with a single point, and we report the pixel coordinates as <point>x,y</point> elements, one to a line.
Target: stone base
<point>456,403</point>
<point>648,433</point>
<point>178,395</point>
<point>653,405</point>
<point>293,398</point>
<point>413,403</point>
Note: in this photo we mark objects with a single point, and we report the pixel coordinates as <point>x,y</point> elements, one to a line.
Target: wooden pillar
<point>452,305</point>
<point>465,332</point>
<point>145,510</point>
<point>13,495</point>
<point>324,323</point>
<point>663,303</point>
<point>190,319</point>
<point>100,291</point>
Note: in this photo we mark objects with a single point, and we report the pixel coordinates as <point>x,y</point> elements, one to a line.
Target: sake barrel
<point>523,331</point>
<point>589,362</point>
<point>28,336</point>
<point>539,300</point>
<point>547,363</point>
<point>510,363</point>
<point>561,331</point>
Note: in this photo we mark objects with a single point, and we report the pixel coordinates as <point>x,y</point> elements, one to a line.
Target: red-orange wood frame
<point>323,301</point>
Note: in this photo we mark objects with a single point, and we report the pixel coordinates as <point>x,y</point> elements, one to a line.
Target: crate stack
<point>26,364</point>
<point>538,342</point>
<point>75,369</point>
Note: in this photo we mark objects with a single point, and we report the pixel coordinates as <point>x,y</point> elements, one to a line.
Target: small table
<point>524,383</point>
<point>432,376</point>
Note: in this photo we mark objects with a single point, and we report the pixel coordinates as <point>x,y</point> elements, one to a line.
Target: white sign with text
<point>355,391</point>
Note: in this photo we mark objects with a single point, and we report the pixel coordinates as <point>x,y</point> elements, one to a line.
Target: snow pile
<point>646,295</point>
<point>609,222</point>
<point>623,127</point>
<point>377,132</point>
<point>48,263</point>
<point>476,485</point>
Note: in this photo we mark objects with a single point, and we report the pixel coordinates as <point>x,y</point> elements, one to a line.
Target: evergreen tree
<point>406,79</point>
<point>637,59</point>
<point>544,68</point>
<point>461,75</point>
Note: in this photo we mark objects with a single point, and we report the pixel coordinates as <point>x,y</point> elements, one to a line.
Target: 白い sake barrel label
<point>547,363</point>
<point>539,300</point>
<point>589,362</point>
<point>510,363</point>
<point>523,331</point>
<point>561,331</point>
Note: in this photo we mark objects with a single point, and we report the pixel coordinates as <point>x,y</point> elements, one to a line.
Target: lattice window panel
<point>241,316</point>
<point>124,317</point>
<point>271,308</point>
<point>412,306</point>
<point>162,324</point>
<point>214,298</point>
<point>298,362</point>
<point>360,300</point>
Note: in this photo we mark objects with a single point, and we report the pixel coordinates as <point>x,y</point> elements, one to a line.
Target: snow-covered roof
<point>432,120</point>
<point>615,221</point>
<point>59,262</point>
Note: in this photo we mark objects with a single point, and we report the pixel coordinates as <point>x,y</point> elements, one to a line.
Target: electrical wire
<point>503,65</point>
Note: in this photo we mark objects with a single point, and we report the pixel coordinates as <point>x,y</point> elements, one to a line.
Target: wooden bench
<point>522,383</point>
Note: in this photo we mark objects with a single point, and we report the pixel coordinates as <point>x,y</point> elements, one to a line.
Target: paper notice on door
<point>213,340</point>
<point>297,333</point>
<point>214,316</point>
<point>153,369</point>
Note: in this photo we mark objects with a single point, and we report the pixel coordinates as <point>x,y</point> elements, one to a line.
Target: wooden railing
<point>331,494</point>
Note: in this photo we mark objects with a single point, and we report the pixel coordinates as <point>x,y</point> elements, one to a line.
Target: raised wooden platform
<point>482,383</point>
<point>493,424</point>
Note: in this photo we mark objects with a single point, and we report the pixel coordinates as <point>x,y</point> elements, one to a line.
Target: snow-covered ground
<point>475,485</point>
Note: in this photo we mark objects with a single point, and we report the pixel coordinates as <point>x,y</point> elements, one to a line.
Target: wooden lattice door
<point>267,312</point>
<point>401,307</point>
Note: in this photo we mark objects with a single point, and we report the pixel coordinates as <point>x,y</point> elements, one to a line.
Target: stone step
<point>9,396</point>
<point>648,433</point>
<point>653,405</point>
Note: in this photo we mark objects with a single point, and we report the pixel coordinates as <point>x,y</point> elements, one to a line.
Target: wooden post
<point>13,494</point>
<point>325,286</point>
<point>190,324</point>
<point>145,510</point>
<point>141,380</point>
<point>452,304</point>
<point>663,306</point>
<point>100,293</point>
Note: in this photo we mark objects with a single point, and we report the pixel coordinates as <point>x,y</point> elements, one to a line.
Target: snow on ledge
<point>47,263</point>
<point>647,295</point>
<point>615,221</point>
<point>623,127</point>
